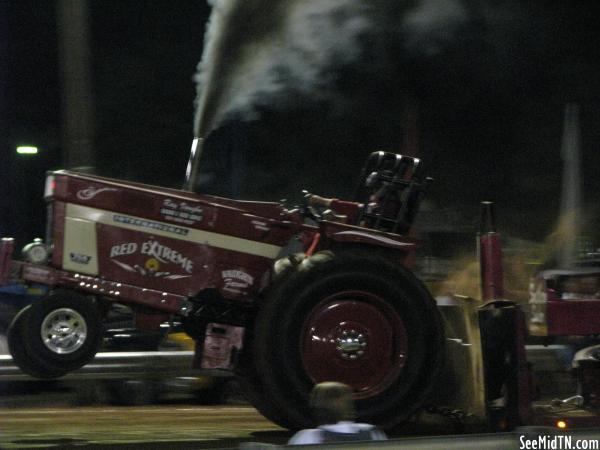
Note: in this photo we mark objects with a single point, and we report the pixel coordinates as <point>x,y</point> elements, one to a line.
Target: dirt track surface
<point>148,427</point>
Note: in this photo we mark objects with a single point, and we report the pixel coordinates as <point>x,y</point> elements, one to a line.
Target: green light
<point>27,150</point>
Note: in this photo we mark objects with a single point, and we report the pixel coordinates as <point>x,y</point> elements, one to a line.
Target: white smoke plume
<point>431,24</point>
<point>276,52</point>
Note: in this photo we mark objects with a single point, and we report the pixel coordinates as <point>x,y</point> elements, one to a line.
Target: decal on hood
<point>143,223</point>
<point>236,279</point>
<point>90,192</point>
<point>158,255</point>
<point>182,212</point>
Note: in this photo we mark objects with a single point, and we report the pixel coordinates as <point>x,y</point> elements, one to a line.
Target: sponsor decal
<point>219,342</point>
<point>91,192</point>
<point>165,254</point>
<point>123,249</point>
<point>143,223</point>
<point>78,258</point>
<point>236,279</point>
<point>181,212</point>
<point>152,265</point>
<point>158,253</point>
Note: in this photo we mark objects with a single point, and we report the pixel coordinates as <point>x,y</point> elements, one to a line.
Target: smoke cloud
<point>278,53</point>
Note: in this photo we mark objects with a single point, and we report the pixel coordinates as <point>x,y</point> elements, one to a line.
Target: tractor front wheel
<point>64,330</point>
<point>20,356</point>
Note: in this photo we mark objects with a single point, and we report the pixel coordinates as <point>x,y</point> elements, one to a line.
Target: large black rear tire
<point>254,391</point>
<point>64,330</point>
<point>353,317</point>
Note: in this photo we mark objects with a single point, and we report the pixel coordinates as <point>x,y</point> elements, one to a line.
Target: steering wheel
<point>309,211</point>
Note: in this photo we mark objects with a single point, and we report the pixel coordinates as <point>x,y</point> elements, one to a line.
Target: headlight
<point>35,252</point>
<point>49,186</point>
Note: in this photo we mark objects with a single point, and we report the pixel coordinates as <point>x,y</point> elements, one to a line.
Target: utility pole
<point>5,153</point>
<point>75,70</point>
<point>571,185</point>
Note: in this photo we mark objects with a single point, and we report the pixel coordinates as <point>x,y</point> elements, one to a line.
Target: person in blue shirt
<point>333,410</point>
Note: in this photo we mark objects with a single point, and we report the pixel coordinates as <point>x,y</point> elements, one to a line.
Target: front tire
<point>64,329</point>
<point>355,318</point>
<point>20,356</point>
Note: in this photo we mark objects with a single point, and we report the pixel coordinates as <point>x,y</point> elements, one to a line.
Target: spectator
<point>333,410</point>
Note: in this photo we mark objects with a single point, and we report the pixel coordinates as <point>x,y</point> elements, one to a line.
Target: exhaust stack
<point>489,249</point>
<point>191,172</point>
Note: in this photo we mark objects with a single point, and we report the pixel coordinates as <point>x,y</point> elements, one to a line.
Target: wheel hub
<point>357,338</point>
<point>351,345</point>
<point>63,331</point>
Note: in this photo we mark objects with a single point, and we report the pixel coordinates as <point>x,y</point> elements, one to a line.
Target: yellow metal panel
<point>464,386</point>
<point>80,251</point>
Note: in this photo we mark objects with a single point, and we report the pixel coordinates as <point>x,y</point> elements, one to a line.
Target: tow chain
<point>455,415</point>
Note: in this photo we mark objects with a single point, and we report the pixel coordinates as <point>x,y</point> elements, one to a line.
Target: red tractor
<point>284,297</point>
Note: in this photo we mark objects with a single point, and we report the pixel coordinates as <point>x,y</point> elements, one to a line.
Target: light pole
<point>77,101</point>
<point>4,153</point>
<point>571,199</point>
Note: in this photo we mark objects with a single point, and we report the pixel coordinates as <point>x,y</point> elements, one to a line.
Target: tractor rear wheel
<point>352,317</point>
<point>64,330</point>
<point>255,392</point>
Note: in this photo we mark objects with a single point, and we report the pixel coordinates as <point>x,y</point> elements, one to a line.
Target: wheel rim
<point>357,338</point>
<point>63,331</point>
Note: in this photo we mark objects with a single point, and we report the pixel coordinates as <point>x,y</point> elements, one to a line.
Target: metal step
<point>110,365</point>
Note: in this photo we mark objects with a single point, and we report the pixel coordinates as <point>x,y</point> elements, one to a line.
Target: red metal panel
<point>173,264</point>
<point>179,208</point>
<point>264,209</point>
<point>149,322</point>
<point>573,317</point>
<point>7,246</point>
<point>40,274</point>
<point>160,300</point>
<point>58,233</point>
<point>60,187</point>
<point>157,299</point>
<point>176,266</point>
<point>155,262</point>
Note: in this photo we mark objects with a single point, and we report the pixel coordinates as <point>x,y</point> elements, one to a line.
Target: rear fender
<point>401,251</point>
<point>363,238</point>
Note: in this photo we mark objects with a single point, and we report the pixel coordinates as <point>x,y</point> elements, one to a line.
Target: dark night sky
<point>490,109</point>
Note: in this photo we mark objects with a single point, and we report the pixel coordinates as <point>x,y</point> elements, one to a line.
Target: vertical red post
<point>490,255</point>
<point>7,246</point>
